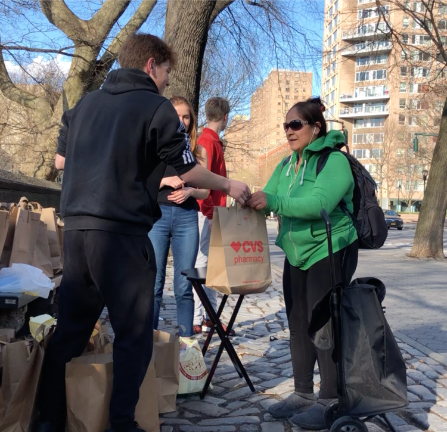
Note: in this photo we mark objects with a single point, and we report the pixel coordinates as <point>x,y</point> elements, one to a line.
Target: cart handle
<point>327,221</point>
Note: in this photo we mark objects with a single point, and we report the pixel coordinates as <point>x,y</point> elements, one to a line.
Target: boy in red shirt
<point>216,111</point>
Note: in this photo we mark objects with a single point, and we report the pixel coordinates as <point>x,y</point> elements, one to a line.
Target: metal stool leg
<point>225,341</point>
<point>210,334</point>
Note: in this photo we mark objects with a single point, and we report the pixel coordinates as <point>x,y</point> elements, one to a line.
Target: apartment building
<point>269,105</point>
<point>385,92</point>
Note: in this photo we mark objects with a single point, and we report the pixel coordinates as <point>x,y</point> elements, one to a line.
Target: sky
<point>299,49</point>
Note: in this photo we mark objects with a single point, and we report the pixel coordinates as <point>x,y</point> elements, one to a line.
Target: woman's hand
<point>174,182</point>
<point>257,201</point>
<point>181,195</point>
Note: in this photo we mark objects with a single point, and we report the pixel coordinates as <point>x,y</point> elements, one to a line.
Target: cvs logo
<point>252,246</point>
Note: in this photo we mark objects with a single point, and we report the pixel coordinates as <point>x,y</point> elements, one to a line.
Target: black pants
<point>116,270</point>
<point>302,289</point>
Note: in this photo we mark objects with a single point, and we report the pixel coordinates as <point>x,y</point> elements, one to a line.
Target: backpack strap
<point>285,162</point>
<point>321,163</point>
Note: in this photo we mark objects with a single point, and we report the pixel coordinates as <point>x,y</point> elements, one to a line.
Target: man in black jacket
<point>115,145</point>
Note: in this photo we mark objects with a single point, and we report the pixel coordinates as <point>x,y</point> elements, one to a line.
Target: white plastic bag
<point>23,278</point>
<point>193,373</point>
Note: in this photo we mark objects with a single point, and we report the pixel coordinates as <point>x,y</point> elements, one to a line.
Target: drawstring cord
<point>304,170</point>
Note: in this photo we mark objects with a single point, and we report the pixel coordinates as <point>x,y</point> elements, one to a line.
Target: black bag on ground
<point>373,378</point>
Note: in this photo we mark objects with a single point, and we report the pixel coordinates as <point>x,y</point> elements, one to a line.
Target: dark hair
<point>140,47</point>
<point>216,108</point>
<point>311,112</point>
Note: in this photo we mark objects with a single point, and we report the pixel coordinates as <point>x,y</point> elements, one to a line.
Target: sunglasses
<point>295,125</point>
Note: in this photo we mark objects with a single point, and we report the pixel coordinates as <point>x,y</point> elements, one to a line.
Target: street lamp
<point>424,177</point>
<point>399,188</point>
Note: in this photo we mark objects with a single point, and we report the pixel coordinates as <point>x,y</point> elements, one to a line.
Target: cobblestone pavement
<point>230,405</point>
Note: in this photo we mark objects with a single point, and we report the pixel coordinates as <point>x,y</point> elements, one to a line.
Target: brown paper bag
<point>48,215</point>
<point>89,380</point>
<point>4,227</point>
<point>21,373</point>
<point>167,357</point>
<point>9,239</point>
<point>42,256</point>
<point>25,236</point>
<point>239,256</point>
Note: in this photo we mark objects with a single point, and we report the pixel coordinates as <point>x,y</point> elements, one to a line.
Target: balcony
<point>376,49</point>
<point>361,34</point>
<point>363,112</point>
<point>364,97</point>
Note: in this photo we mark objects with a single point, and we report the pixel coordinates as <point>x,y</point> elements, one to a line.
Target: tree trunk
<point>428,240</point>
<point>186,30</point>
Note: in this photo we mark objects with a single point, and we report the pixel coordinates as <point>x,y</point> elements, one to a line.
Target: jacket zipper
<point>290,224</point>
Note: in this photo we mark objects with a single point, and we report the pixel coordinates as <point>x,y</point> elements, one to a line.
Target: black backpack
<point>368,217</point>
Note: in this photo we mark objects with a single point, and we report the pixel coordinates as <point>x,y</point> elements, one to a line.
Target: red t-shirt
<point>210,141</point>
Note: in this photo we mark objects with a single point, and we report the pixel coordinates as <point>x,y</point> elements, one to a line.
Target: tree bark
<point>186,30</point>
<point>428,240</point>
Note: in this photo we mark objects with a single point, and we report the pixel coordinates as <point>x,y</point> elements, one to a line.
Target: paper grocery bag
<point>48,215</point>
<point>89,381</point>
<point>42,255</point>
<point>25,236</point>
<point>166,356</point>
<point>239,256</point>
<point>4,227</point>
<point>22,365</point>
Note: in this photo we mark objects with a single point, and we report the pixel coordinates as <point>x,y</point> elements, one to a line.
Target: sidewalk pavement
<point>416,310</point>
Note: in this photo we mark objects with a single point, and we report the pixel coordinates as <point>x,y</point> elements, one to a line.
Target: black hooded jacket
<point>117,142</point>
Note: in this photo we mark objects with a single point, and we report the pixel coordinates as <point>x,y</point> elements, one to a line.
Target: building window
<point>287,105</point>
<point>402,103</point>
<point>412,121</point>
<point>287,82</point>
<point>418,7</point>
<point>336,6</point>
<point>361,153</point>
<point>279,103</point>
<point>442,9</point>
<point>415,104</point>
<point>404,55</point>
<point>406,22</point>
<point>287,97</point>
<point>405,38</point>
<point>400,152</point>
<point>420,72</point>
<point>420,39</point>
<point>402,87</point>
<point>401,119</point>
<point>420,55</point>
<point>296,90</point>
<point>295,98</point>
<point>287,89</point>
<point>403,71</point>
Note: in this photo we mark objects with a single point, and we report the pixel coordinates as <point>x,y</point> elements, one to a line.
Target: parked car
<point>393,219</point>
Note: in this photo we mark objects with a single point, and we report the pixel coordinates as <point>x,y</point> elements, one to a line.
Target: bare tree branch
<point>58,13</point>
<point>106,17</point>
<point>18,95</point>
<point>218,8</point>
<point>137,20</point>
<point>60,51</point>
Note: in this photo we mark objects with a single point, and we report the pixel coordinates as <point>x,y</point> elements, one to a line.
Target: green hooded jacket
<point>299,197</point>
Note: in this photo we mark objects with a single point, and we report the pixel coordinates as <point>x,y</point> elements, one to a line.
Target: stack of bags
<point>88,381</point>
<point>30,234</point>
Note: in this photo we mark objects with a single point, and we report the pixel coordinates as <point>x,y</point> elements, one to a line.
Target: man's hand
<point>181,195</point>
<point>239,191</point>
<point>258,201</point>
<point>174,182</point>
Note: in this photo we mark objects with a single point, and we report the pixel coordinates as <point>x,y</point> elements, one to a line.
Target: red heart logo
<point>236,246</point>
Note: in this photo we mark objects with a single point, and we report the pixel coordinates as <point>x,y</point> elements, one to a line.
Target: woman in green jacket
<point>297,194</point>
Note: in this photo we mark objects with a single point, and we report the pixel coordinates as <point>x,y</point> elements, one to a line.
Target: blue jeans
<point>177,227</point>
